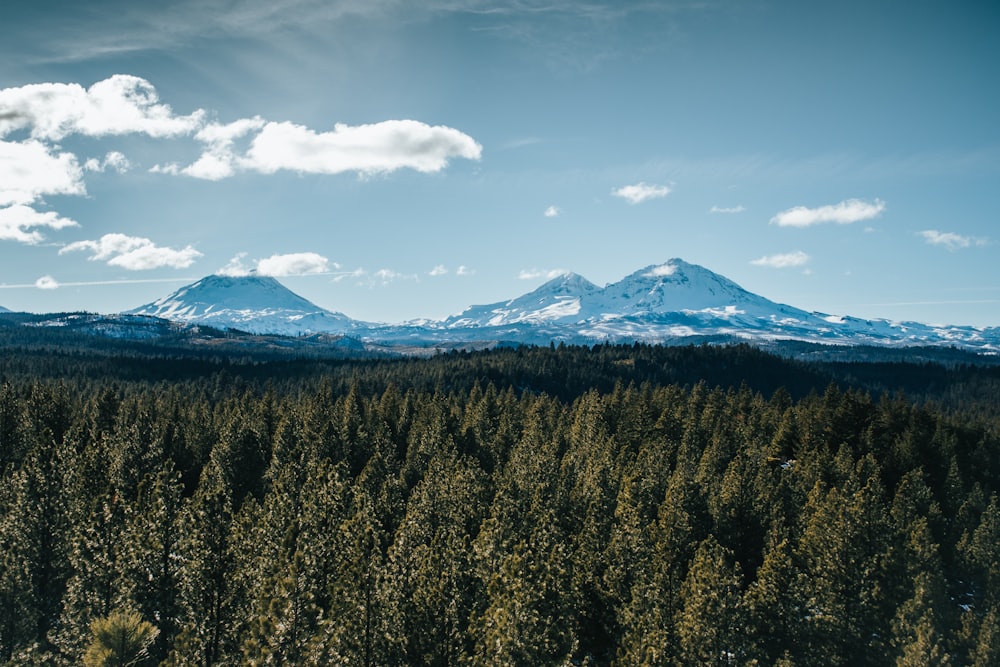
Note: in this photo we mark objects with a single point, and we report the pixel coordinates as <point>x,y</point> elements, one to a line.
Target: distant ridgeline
<point>657,304</point>
<point>185,504</point>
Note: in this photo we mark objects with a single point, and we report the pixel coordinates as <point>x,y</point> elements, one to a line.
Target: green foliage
<point>121,639</point>
<point>625,505</point>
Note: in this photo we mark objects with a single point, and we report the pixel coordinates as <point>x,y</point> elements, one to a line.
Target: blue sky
<point>395,160</point>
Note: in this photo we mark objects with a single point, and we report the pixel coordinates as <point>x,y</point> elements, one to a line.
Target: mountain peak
<point>558,298</point>
<point>253,303</point>
<point>568,283</point>
<point>674,286</point>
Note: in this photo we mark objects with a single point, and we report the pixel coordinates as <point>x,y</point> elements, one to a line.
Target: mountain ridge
<point>252,303</point>
<point>659,303</point>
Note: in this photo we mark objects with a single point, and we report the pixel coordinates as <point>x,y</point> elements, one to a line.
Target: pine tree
<point>529,617</point>
<point>429,576</point>
<point>844,551</point>
<point>709,625</point>
<point>773,609</point>
<point>647,618</point>
<point>121,639</point>
<point>35,519</point>
<point>149,555</point>
<point>95,589</point>
<point>206,568</point>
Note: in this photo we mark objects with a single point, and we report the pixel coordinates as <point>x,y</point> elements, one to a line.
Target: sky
<point>394,160</point>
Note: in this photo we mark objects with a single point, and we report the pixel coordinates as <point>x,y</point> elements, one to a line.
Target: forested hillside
<point>534,506</point>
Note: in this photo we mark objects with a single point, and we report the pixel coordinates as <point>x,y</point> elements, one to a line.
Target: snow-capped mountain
<point>673,287</point>
<point>256,304</point>
<point>676,300</point>
<point>558,299</point>
<point>657,304</point>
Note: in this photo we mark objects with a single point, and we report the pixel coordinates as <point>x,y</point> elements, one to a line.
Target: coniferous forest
<point>615,505</point>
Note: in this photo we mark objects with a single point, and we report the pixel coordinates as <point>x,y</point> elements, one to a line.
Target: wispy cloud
<point>727,209</point>
<point>387,276</point>
<point>383,277</point>
<point>950,240</point>
<point>640,192</point>
<point>534,274</point>
<point>134,253</point>
<point>442,270</point>
<point>844,213</point>
<point>48,282</point>
<point>552,212</point>
<point>783,261</point>
<point>357,273</point>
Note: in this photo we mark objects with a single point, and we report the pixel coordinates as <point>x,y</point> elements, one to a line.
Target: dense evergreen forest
<point>615,505</point>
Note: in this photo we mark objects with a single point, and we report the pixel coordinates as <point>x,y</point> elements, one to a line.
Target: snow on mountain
<point>679,287</point>
<point>665,302</point>
<point>256,304</point>
<point>558,299</point>
<point>3,310</point>
<point>658,304</point>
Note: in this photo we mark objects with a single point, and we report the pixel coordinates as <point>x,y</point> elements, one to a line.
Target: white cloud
<point>29,171</point>
<point>534,274</point>
<point>219,161</point>
<point>209,167</point>
<point>134,253</point>
<point>844,213</point>
<point>783,261</point>
<point>386,276</point>
<point>640,192</point>
<point>368,149</point>
<point>442,270</point>
<point>171,168</point>
<point>552,212</point>
<point>113,160</point>
<point>19,223</point>
<point>220,135</point>
<point>293,264</point>
<point>235,267</point>
<point>356,273</point>
<point>950,240</point>
<point>661,271</point>
<point>727,209</point>
<point>46,282</point>
<point>121,104</point>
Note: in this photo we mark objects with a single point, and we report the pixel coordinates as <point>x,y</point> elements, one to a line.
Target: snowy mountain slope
<point>657,304</point>
<point>671,301</point>
<point>558,299</point>
<point>257,304</point>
